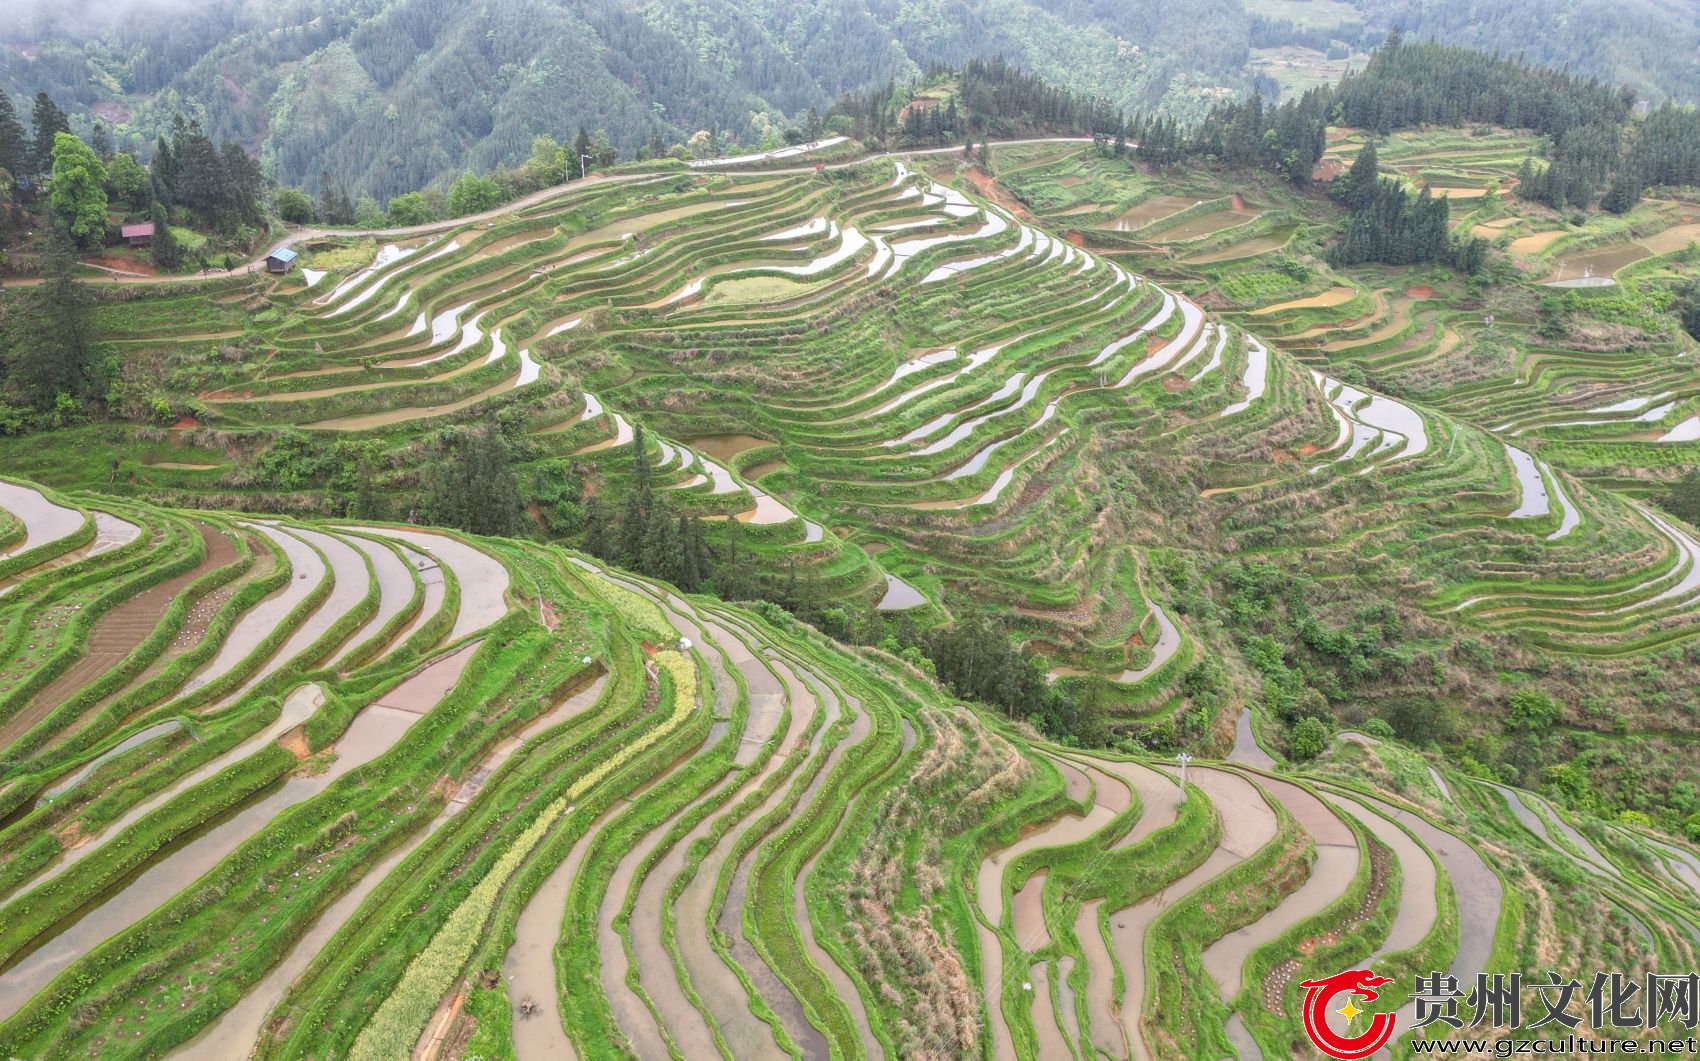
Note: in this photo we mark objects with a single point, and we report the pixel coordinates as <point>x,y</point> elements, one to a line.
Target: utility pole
<point>1183,758</point>
<point>583,166</point>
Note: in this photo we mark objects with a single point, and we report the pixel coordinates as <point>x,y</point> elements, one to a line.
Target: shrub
<point>1531,710</point>
<point>1307,740</point>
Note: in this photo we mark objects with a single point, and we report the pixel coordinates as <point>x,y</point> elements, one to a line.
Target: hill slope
<point>289,790</point>
<point>389,95</point>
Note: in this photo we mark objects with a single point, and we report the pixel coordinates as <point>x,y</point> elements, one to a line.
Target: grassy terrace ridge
<point>537,801</point>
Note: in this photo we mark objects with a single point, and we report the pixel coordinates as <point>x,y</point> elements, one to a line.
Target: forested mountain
<point>1651,46</point>
<point>390,95</point>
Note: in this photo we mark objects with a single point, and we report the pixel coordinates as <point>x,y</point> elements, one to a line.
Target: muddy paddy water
<point>1151,211</point>
<point>1477,889</point>
<point>1335,868</point>
<point>1247,824</point>
<point>1598,262</point>
<point>43,520</point>
<point>1537,242</point>
<point>1244,248</point>
<point>1332,297</point>
<point>724,447</point>
<point>483,580</point>
<point>373,732</point>
<point>899,595</point>
<point>988,890</point>
<point>1203,226</point>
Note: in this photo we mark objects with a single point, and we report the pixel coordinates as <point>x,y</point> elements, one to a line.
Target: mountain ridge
<point>387,96</point>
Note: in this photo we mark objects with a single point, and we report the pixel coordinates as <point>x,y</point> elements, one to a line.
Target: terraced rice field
<point>1599,261</point>
<point>927,381</point>
<point>312,786</point>
<point>517,816</point>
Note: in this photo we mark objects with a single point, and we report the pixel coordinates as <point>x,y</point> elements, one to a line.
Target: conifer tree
<point>598,540</point>
<point>368,502</point>
<point>164,172</point>
<point>54,352</point>
<point>48,122</point>
<point>14,146</point>
<point>167,252</point>
<point>581,150</point>
<point>663,556</point>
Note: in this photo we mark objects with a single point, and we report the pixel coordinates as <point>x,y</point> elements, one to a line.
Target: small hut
<point>138,235</point>
<point>280,260</point>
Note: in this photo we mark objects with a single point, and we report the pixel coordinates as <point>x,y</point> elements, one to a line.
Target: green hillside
<point>1044,597</point>
<point>285,789</point>
<point>388,96</point>
<point>1189,466</point>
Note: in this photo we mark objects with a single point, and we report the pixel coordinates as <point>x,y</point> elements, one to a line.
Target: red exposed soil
<point>1423,291</point>
<point>187,423</point>
<point>1238,203</point>
<point>1309,449</point>
<point>1173,383</point>
<point>1070,182</point>
<point>295,743</point>
<point>991,189</point>
<point>1327,171</point>
<point>1154,343</point>
<point>1075,238</point>
<point>124,265</point>
<point>111,111</point>
<point>1282,455</point>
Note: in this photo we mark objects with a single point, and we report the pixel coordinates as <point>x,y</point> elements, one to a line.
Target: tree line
<point>1596,151</point>
<point>190,182</point>
<point>1390,224</point>
<point>984,98</point>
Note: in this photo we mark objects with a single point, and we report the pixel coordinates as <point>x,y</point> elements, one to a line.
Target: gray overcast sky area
<point>77,18</point>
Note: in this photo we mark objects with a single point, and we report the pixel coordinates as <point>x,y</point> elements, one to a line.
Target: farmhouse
<point>139,235</point>
<point>280,260</point>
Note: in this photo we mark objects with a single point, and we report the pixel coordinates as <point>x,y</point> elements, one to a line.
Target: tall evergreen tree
<point>598,536</point>
<point>640,508</point>
<point>475,489</point>
<point>54,354</point>
<point>101,141</point>
<point>164,172</point>
<point>48,121</point>
<point>202,184</point>
<point>663,554</point>
<point>492,489</point>
<point>245,184</point>
<point>368,501</point>
<point>581,151</point>
<point>167,252</point>
<point>1356,187</point>
<point>14,146</point>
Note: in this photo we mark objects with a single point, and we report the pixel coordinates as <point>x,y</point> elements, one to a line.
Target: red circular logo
<point>1319,993</point>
